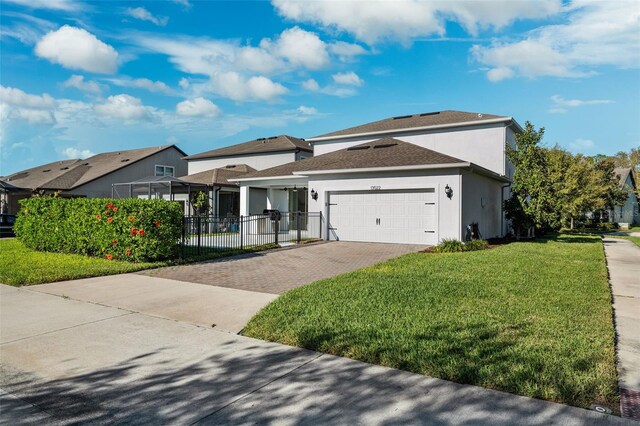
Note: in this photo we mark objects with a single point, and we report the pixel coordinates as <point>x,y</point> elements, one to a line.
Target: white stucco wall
<point>481,203</point>
<point>449,225</point>
<point>627,213</point>
<point>482,145</point>
<point>258,162</point>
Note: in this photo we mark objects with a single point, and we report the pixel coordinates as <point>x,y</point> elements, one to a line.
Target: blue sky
<point>83,77</point>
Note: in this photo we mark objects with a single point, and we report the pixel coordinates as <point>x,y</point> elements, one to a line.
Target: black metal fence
<point>212,234</point>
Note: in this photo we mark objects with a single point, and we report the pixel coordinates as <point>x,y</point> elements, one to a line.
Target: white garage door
<point>386,217</point>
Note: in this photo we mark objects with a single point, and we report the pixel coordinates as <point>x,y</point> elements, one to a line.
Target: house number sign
<point>376,188</point>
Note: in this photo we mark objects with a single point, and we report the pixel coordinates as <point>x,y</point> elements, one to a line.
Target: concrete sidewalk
<point>64,361</point>
<point>623,262</point>
<point>229,309</point>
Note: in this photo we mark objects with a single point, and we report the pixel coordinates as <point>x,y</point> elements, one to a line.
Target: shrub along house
<point>410,179</point>
<point>93,177</point>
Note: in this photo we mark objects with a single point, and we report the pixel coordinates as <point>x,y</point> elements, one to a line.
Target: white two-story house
<point>410,179</point>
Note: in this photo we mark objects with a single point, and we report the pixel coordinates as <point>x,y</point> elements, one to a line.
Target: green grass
<point>22,266</point>
<point>530,318</point>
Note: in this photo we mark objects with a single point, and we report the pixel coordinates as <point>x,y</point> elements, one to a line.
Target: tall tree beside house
<point>552,188</point>
<point>531,195</point>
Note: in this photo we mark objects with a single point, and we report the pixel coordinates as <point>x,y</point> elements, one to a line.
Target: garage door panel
<point>404,216</point>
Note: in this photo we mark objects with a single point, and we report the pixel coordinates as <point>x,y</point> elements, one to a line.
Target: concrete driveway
<point>64,361</point>
<point>278,271</point>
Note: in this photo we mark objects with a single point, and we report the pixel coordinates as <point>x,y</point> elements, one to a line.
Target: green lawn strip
<point>635,240</point>
<point>22,266</point>
<point>530,318</point>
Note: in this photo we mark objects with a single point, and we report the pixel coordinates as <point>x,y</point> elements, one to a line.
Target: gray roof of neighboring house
<point>623,173</point>
<point>386,152</point>
<point>413,121</point>
<point>258,146</point>
<point>69,174</point>
<point>220,175</point>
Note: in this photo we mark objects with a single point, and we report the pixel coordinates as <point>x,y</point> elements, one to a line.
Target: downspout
<point>216,200</point>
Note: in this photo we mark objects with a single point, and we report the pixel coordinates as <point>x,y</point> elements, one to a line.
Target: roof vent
<point>273,137</point>
<point>400,117</point>
<point>64,168</point>
<point>261,139</point>
<point>479,115</point>
<point>124,160</point>
<point>85,164</point>
<point>358,148</point>
<point>47,170</point>
<point>429,113</point>
<point>230,166</point>
<point>385,145</point>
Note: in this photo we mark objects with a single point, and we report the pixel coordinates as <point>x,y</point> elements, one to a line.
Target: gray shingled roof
<point>622,173</point>
<point>69,174</point>
<point>257,146</point>
<point>415,120</point>
<point>220,175</point>
<point>386,152</point>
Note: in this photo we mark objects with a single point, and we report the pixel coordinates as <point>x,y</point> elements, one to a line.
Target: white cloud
<point>73,153</point>
<point>311,85</point>
<point>184,83</point>
<point>233,86</point>
<point>302,48</point>
<point>258,59</point>
<point>78,82</point>
<point>347,78</point>
<point>18,98</point>
<point>62,5</point>
<point>346,51</point>
<point>144,15</point>
<point>143,83</point>
<point>198,107</point>
<point>594,34</point>
<point>307,110</point>
<point>34,116</point>
<point>76,48</point>
<point>580,145</point>
<point>123,106</point>
<point>185,3</point>
<point>561,105</point>
<point>405,20</point>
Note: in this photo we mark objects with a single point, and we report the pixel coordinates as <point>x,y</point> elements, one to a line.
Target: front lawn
<point>530,318</point>
<point>20,265</point>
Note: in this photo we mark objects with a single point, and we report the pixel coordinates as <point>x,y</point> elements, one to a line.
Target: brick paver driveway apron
<point>281,270</point>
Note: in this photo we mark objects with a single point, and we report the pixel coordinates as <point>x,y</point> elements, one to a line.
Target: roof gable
<point>438,118</point>
<point>70,174</point>
<point>386,152</point>
<point>280,143</point>
<point>219,176</point>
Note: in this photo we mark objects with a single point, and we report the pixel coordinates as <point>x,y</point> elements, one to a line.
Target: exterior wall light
<point>449,191</point>
<point>295,188</point>
<point>314,195</point>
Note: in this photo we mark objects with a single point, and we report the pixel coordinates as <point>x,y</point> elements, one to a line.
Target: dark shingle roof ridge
<point>402,154</point>
<point>256,146</point>
<point>427,119</point>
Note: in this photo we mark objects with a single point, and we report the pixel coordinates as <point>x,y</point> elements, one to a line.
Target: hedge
<point>126,229</point>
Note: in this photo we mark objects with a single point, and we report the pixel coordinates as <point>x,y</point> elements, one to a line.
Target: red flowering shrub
<point>76,226</point>
<point>109,257</point>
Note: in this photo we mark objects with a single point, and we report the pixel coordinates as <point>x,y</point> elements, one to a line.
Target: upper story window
<point>165,171</point>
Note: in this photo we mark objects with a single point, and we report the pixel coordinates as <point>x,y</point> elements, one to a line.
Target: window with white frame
<point>165,170</point>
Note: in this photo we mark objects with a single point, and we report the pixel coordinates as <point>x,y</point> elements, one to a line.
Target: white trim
<point>383,169</point>
<point>416,129</point>
<point>264,178</point>
<point>173,170</point>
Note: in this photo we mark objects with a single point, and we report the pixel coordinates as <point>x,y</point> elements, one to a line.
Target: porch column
<point>244,200</point>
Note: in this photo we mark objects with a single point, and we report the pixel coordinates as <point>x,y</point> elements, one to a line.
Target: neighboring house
<point>629,211</point>
<point>94,176</point>
<point>214,167</point>
<point>225,195</point>
<point>410,179</point>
